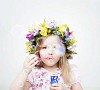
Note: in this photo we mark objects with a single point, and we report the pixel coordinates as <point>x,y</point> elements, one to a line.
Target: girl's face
<point>52,50</point>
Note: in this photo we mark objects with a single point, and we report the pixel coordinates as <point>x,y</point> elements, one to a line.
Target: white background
<point>82,16</point>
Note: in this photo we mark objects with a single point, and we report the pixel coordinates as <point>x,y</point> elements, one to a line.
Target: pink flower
<point>40,85</point>
<point>43,73</point>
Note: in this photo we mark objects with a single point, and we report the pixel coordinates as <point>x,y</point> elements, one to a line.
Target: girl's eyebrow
<point>57,45</point>
<point>44,45</point>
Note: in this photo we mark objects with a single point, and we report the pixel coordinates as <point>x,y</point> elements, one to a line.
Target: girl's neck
<point>50,68</point>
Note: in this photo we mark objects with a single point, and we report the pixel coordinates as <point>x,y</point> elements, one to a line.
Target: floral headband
<point>47,28</point>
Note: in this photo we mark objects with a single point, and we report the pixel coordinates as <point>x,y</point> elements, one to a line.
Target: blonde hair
<point>61,64</point>
<point>64,66</point>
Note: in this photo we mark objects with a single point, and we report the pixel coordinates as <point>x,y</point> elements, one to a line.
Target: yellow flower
<point>62,28</point>
<point>28,47</point>
<point>43,29</point>
<point>43,24</point>
<point>43,32</point>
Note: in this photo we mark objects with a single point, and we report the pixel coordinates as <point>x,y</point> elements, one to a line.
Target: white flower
<point>51,24</point>
<point>35,30</point>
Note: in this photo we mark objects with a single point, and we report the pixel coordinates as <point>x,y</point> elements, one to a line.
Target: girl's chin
<point>50,63</point>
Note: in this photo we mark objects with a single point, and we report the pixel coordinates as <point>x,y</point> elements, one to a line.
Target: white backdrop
<point>82,16</point>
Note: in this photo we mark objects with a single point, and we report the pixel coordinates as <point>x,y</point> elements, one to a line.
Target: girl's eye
<point>54,47</point>
<point>44,47</point>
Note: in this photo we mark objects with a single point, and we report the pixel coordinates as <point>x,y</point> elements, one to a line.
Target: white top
<point>40,77</point>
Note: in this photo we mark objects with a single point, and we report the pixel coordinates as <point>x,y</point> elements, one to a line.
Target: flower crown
<point>46,28</point>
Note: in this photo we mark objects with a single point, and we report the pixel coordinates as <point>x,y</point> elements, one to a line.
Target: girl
<point>47,67</point>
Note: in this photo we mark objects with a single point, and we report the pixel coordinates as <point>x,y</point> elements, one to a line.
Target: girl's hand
<point>57,86</point>
<point>30,62</point>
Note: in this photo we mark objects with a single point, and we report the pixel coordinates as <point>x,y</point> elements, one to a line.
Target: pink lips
<point>48,58</point>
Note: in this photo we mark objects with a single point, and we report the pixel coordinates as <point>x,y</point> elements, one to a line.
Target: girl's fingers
<point>32,65</point>
<point>32,61</point>
<point>55,85</point>
<point>30,58</point>
<point>34,58</point>
<point>54,88</point>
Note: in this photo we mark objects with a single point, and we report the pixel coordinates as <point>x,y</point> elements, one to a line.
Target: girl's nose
<point>50,51</point>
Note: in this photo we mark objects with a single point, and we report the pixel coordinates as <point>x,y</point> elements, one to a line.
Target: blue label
<point>54,79</point>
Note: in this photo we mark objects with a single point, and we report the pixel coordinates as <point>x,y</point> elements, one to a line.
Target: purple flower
<point>70,33</point>
<point>71,36</point>
<point>29,36</point>
<point>66,33</point>
<point>70,57</point>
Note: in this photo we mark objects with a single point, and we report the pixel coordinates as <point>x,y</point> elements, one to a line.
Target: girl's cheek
<point>43,53</point>
<point>59,51</point>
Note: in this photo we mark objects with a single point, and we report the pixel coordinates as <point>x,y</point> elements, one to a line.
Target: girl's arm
<point>76,86</point>
<point>20,82</point>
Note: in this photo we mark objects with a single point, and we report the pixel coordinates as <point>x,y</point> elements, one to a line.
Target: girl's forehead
<point>50,40</point>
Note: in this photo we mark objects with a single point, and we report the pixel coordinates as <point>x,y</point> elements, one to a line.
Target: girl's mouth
<point>50,57</point>
<point>47,58</point>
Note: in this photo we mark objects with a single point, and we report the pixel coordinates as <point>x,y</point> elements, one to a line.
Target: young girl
<point>47,67</point>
